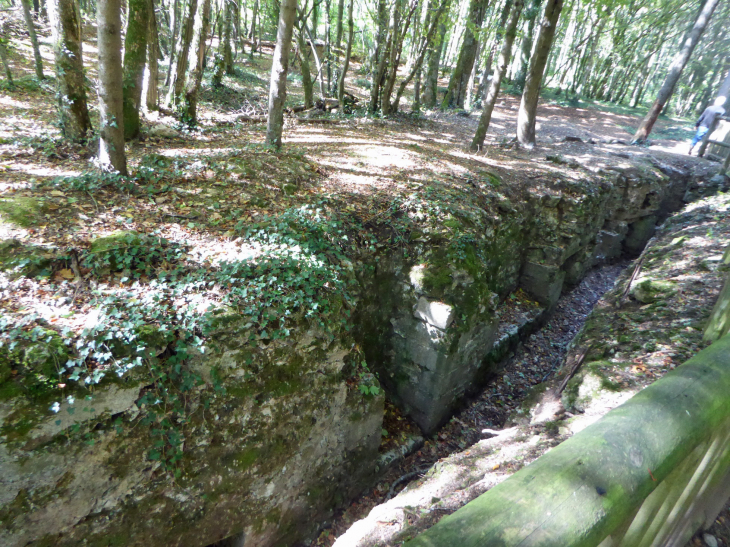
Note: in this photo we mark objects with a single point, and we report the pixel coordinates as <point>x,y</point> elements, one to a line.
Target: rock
<point>162,131</point>
<point>570,138</point>
<point>438,314</point>
<point>650,290</point>
<point>544,283</point>
<point>710,540</point>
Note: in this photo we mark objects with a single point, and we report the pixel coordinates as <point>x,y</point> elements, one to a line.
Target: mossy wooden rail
<point>650,472</point>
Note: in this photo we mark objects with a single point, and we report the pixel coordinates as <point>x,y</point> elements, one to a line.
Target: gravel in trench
<point>533,362</point>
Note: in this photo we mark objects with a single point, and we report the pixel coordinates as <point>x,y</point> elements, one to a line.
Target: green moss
<point>22,211</point>
<point>247,457</point>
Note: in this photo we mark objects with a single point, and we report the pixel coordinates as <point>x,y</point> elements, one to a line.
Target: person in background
<point>705,122</point>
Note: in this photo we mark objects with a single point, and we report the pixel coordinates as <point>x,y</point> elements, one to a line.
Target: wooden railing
<point>707,140</point>
<point>650,472</point>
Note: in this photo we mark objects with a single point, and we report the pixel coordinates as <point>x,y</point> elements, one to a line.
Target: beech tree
<point>178,73</point>
<point>279,69</point>
<point>153,52</point>
<point>135,55</point>
<point>33,38</point>
<point>456,92</point>
<point>111,120</point>
<point>196,63</point>
<point>501,68</point>
<point>348,52</point>
<point>73,111</point>
<point>528,105</point>
<point>675,70</point>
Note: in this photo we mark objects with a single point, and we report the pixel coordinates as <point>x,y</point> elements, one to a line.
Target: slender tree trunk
<point>501,68</point>
<point>430,88</point>
<point>493,53</point>
<point>456,93</point>
<point>33,39</point>
<point>174,39</point>
<point>135,54</point>
<point>72,108</point>
<point>279,69</point>
<point>227,50</point>
<point>379,57</point>
<point>111,121</point>
<point>724,92</point>
<point>307,83</point>
<point>340,14</point>
<point>675,70</point>
<point>189,110</point>
<point>528,106</point>
<point>348,52</point>
<point>4,58</point>
<point>177,85</point>
<point>532,12</point>
<point>153,52</point>
<point>432,24</point>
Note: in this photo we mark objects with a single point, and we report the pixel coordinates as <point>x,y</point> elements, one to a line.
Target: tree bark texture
<point>279,69</point>
<point>430,86</point>
<point>189,107</point>
<point>307,83</point>
<point>4,59</point>
<point>675,70</point>
<point>379,57</point>
<point>135,57</point>
<point>531,14</point>
<point>501,68</point>
<point>153,52</point>
<point>528,105</point>
<point>481,89</point>
<point>228,25</point>
<point>73,111</point>
<point>177,83</point>
<point>348,52</point>
<point>456,93</point>
<point>111,122</point>
<point>340,15</point>
<point>33,39</point>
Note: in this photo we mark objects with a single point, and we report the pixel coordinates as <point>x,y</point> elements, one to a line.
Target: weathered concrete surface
<point>430,327</point>
<point>287,442</point>
<point>629,344</point>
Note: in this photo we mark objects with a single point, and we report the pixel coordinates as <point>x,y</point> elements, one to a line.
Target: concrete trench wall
<point>432,348</point>
<point>650,472</point>
<point>293,438</point>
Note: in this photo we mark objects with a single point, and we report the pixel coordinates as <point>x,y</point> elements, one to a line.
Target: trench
<point>532,360</point>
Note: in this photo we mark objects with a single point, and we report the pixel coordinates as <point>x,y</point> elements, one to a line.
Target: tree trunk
<point>135,54</point>
<point>348,52</point>
<point>492,53</point>
<point>279,68</point>
<point>153,52</point>
<point>379,57</point>
<point>111,121</point>
<point>307,83</point>
<point>72,109</point>
<point>177,84</point>
<point>340,14</point>
<point>174,38</point>
<point>4,59</point>
<point>33,39</point>
<point>430,87</point>
<point>189,110</point>
<point>528,105</point>
<point>531,13</point>
<point>421,52</point>
<point>675,70</point>
<point>227,50</point>
<point>501,68</point>
<point>456,93</point>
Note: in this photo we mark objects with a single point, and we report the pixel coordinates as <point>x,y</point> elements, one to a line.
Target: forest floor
<point>199,187</point>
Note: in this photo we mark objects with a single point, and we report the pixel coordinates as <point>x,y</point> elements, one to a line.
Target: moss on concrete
<point>22,211</point>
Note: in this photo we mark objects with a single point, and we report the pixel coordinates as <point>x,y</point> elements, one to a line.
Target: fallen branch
<point>578,361</point>
<point>634,275</point>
